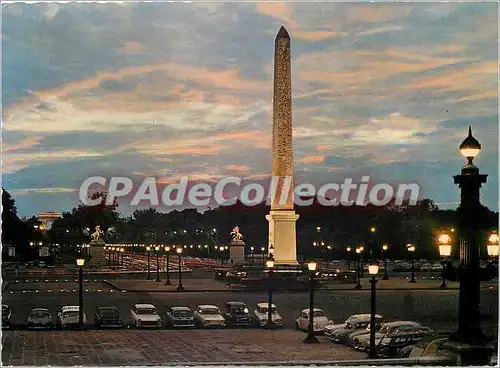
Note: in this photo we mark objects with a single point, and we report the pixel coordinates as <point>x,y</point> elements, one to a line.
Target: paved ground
<point>130,347</point>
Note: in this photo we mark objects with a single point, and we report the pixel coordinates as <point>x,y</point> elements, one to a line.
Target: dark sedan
<point>179,317</point>
<point>237,314</point>
<point>40,318</point>
<point>107,317</point>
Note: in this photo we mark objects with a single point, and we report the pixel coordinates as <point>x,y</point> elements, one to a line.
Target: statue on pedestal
<point>236,238</point>
<point>236,246</point>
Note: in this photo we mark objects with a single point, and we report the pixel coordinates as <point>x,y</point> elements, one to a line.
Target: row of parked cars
<point>235,314</point>
<point>391,336</point>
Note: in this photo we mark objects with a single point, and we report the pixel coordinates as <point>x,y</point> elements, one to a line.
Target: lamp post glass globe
<point>270,263</point>
<point>80,261</point>
<point>311,266</point>
<point>373,269</point>
<point>385,247</point>
<point>167,249</point>
<point>348,249</point>
<point>470,147</point>
<point>179,250</point>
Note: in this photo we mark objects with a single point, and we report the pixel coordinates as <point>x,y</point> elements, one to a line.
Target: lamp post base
<point>468,354</point>
<point>180,288</point>
<point>357,286</point>
<point>168,282</point>
<point>270,325</point>
<point>443,285</point>
<point>310,339</point>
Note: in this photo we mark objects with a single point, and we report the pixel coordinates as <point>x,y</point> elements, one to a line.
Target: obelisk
<point>282,218</point>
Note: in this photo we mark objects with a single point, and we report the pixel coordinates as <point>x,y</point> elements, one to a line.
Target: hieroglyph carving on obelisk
<point>282,218</point>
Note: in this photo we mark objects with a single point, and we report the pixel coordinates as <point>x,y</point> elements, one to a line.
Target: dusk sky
<point>170,89</point>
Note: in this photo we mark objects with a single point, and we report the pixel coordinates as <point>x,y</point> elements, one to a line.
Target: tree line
<point>321,231</point>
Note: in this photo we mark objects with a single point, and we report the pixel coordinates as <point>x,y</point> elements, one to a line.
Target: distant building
<point>47,218</point>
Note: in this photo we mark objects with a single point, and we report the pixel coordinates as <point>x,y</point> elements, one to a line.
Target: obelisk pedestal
<point>282,218</point>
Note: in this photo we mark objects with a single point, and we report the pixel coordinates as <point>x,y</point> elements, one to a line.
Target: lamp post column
<point>385,247</point>
<point>179,286</point>
<point>311,339</point>
<point>80,296</point>
<point>373,352</point>
<point>167,249</point>
<point>358,270</point>
<point>148,249</point>
<point>157,249</point>
<point>469,181</point>
<point>270,265</point>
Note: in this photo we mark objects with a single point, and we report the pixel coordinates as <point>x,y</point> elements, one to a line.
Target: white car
<point>330,329</point>
<point>208,316</point>
<point>69,316</point>
<point>260,315</point>
<point>144,315</point>
<point>320,320</point>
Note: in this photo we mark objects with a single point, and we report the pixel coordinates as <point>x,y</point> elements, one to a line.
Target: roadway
<point>435,308</point>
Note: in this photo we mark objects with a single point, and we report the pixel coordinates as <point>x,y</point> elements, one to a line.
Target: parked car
<point>144,315</point>
<point>331,328</point>
<point>261,315</point>
<point>69,316</point>
<point>208,316</point>
<point>179,317</point>
<point>237,314</point>
<point>320,320</point>
<point>362,341</point>
<point>390,345</point>
<point>6,316</point>
<point>39,318</point>
<point>107,317</point>
<point>341,335</point>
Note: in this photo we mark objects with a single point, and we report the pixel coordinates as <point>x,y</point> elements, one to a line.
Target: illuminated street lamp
<point>157,249</point>
<point>358,283</point>
<point>167,250</point>
<point>411,249</point>
<point>179,286</point>
<point>311,339</point>
<point>122,251</point>
<point>492,245</point>
<point>270,265</point>
<point>348,249</point>
<point>148,248</point>
<point>444,242</point>
<point>385,248</point>
<point>80,261</point>
<point>373,271</point>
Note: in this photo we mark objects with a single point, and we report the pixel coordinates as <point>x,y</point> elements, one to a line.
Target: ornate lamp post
<point>411,249</point>
<point>385,247</point>
<point>122,251</point>
<point>358,273</point>
<point>148,248</point>
<point>310,338</point>
<point>80,261</point>
<point>157,249</point>
<point>270,265</point>
<point>262,249</point>
<point>348,249</point>
<point>444,242</point>
<point>179,253</point>
<point>373,271</point>
<point>469,342</point>
<point>167,250</point>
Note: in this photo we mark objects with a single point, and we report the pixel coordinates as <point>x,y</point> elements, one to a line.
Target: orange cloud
<point>280,11</point>
<point>323,147</point>
<point>131,47</point>
<point>311,159</point>
<point>229,79</point>
<point>25,143</point>
<point>316,35</point>
<point>237,168</point>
